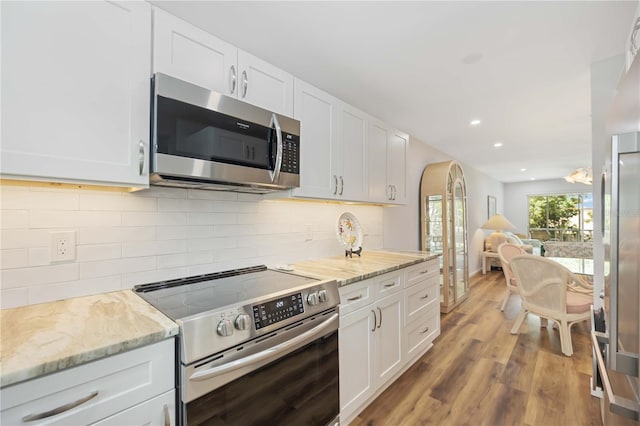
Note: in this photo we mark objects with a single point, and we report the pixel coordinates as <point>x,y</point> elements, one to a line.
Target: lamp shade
<point>498,222</point>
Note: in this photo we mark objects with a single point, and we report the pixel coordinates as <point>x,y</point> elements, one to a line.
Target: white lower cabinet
<point>386,322</point>
<point>135,387</point>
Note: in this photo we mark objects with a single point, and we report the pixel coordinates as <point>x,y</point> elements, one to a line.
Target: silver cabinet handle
<point>61,409</point>
<point>393,192</point>
<point>425,330</point>
<point>276,172</point>
<point>351,299</point>
<point>426,296</point>
<point>335,181</point>
<point>393,284</point>
<point>389,192</point>
<point>380,310</point>
<point>232,79</point>
<point>424,272</point>
<point>167,416</point>
<point>375,321</point>
<point>341,185</point>
<point>245,84</point>
<point>141,157</point>
<point>269,354</point>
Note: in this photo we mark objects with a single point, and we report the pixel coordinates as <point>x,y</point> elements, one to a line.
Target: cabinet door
<point>379,190</point>
<point>75,91</point>
<point>316,111</point>
<point>397,145</point>
<point>388,343</point>
<point>264,85</point>
<point>158,411</point>
<point>353,179</point>
<point>191,54</point>
<point>356,360</point>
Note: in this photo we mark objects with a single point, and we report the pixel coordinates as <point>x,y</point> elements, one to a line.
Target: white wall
<point>124,239</point>
<point>516,207</point>
<point>402,223</point>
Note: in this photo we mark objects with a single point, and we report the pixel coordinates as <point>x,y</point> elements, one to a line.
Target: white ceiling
<point>430,67</point>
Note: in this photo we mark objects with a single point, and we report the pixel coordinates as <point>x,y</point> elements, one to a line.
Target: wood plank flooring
<point>477,373</point>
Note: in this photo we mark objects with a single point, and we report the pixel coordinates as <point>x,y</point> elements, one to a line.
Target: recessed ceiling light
<point>497,144</point>
<point>523,170</point>
<point>475,122</point>
<point>532,179</point>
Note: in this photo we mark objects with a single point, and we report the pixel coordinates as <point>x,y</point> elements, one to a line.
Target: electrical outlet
<point>62,246</point>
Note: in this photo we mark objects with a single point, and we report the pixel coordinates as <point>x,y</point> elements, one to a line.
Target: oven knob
<point>225,327</point>
<point>322,296</point>
<point>242,321</point>
<point>312,298</point>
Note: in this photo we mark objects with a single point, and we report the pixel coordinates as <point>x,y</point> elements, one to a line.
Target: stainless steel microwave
<point>204,140</point>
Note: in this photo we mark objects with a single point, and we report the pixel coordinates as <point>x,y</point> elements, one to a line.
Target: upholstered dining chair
<point>505,252</point>
<point>543,286</point>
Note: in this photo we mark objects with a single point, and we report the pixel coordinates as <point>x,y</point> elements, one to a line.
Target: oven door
<point>289,377</point>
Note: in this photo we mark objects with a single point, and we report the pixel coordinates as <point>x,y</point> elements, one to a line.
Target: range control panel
<point>277,310</point>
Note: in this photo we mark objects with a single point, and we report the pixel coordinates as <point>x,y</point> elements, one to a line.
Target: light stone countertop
<point>372,263</point>
<point>49,337</point>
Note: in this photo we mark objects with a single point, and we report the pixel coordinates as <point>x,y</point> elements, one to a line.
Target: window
<point>561,217</point>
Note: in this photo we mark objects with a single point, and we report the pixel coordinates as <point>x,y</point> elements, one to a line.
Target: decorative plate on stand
<point>349,234</point>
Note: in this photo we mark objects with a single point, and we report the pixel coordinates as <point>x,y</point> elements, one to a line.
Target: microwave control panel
<point>290,153</point>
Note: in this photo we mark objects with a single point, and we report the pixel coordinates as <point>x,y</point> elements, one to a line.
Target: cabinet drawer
<point>158,411</point>
<point>418,298</point>
<point>421,332</point>
<point>427,270</point>
<point>108,386</point>
<point>356,295</point>
<point>388,284</point>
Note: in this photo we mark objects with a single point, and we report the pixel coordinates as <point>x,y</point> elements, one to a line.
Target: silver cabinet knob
<point>312,298</point>
<point>322,296</point>
<point>225,328</point>
<point>242,322</point>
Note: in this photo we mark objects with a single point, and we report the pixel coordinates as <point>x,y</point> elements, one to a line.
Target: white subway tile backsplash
<point>124,239</point>
<point>30,200</point>
<point>39,256</point>
<point>24,238</point>
<point>91,252</point>
<point>212,218</point>
<point>106,268</point>
<point>13,298</point>
<point>29,277</point>
<point>14,219</point>
<point>72,219</point>
<point>150,219</point>
<point>14,258</point>
<point>47,293</point>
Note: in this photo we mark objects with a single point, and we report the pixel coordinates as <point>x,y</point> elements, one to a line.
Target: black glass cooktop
<point>185,297</point>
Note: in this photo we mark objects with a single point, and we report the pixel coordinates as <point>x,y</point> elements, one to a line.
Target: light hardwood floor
<point>477,373</point>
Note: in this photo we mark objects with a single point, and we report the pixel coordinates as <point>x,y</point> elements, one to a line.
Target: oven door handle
<point>268,354</point>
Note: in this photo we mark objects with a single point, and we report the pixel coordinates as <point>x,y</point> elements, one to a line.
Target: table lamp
<point>498,223</point>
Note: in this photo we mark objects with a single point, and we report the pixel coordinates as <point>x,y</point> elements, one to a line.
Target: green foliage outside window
<point>560,217</point>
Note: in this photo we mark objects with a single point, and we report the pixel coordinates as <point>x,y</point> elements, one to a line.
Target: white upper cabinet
<point>191,54</point>
<point>333,146</point>
<point>352,171</point>
<point>75,91</point>
<point>317,112</point>
<point>387,164</point>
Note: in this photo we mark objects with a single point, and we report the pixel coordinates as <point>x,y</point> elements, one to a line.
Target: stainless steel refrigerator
<point>618,342</point>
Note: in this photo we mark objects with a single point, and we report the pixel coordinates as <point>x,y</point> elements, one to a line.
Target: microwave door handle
<point>275,174</point>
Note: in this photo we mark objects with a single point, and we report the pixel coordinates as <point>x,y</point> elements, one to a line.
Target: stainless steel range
<point>257,346</point>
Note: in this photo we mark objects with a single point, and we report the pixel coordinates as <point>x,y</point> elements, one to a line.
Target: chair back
<point>506,252</point>
<point>542,284</point>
